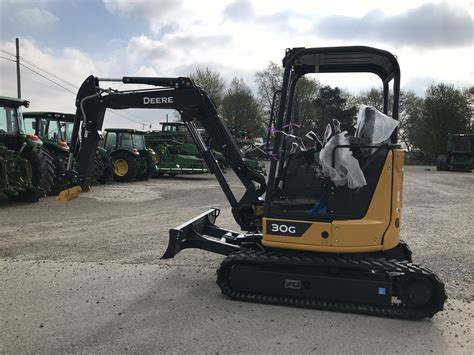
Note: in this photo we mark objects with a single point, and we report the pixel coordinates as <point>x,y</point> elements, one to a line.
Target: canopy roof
<point>342,60</point>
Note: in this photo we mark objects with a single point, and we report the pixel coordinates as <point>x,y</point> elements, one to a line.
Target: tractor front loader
<point>318,239</point>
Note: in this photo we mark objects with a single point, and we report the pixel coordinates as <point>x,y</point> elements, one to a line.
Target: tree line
<point>425,122</point>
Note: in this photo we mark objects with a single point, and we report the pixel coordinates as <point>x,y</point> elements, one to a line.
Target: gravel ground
<point>86,277</point>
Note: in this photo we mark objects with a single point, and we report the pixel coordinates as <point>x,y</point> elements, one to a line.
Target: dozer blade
<point>69,194</point>
<point>201,233</point>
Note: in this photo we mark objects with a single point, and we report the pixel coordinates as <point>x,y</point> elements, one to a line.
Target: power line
<point>11,60</point>
<point>51,80</point>
<point>143,122</point>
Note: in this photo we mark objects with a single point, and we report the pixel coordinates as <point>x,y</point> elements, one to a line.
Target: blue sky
<point>72,39</point>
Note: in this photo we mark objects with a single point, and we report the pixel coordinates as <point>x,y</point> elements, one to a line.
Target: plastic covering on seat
<point>373,127</point>
<point>346,170</point>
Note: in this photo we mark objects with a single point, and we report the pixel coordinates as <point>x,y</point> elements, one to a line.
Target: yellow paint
<point>120,167</point>
<point>375,232</point>
<point>392,235</point>
<point>311,237</point>
<point>69,194</point>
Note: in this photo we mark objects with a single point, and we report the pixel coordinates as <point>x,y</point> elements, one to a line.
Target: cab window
<point>125,141</point>
<point>66,130</point>
<point>30,125</point>
<point>110,140</point>
<point>139,141</point>
<point>53,131</point>
<point>9,120</point>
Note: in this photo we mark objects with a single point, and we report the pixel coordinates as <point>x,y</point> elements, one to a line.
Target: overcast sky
<point>433,41</point>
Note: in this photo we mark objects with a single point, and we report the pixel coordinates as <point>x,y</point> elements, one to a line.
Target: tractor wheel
<point>60,167</point>
<point>172,174</point>
<point>42,168</point>
<point>108,172</point>
<point>125,166</point>
<point>442,163</point>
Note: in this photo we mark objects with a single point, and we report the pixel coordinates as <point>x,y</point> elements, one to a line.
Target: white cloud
<point>185,35</point>
<point>69,64</point>
<point>34,18</point>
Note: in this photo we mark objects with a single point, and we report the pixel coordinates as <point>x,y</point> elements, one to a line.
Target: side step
<point>202,233</point>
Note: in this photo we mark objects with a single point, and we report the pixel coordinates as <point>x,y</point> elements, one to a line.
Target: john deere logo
<point>157,100</point>
<point>287,229</point>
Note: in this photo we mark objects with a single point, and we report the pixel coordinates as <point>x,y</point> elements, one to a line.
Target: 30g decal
<point>286,229</point>
<point>283,228</point>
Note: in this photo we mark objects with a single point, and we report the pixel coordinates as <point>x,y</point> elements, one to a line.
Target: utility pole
<point>18,81</point>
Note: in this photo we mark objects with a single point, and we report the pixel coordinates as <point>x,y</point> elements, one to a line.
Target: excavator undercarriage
<point>309,240</point>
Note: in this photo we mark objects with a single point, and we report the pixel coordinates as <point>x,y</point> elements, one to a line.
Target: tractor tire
<point>125,166</point>
<point>42,167</point>
<point>60,167</point>
<point>108,173</point>
<point>442,163</point>
<point>172,174</point>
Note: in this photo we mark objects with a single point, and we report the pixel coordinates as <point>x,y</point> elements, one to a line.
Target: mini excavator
<point>347,257</point>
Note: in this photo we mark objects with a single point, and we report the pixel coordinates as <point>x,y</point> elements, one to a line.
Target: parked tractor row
<point>35,152</point>
<point>27,170</point>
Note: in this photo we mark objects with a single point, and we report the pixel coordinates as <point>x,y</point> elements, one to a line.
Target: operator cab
<point>303,182</point>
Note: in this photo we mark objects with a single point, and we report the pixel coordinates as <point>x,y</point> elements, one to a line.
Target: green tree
<point>268,81</point>
<point>241,110</point>
<point>331,103</point>
<point>445,110</point>
<point>211,82</point>
<point>410,111</point>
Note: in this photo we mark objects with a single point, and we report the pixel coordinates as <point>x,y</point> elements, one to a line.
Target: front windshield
<point>50,130</point>
<point>139,141</point>
<point>66,131</point>
<point>11,120</point>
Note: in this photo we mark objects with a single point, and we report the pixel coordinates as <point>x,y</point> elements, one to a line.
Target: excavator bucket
<point>69,194</point>
<point>201,233</point>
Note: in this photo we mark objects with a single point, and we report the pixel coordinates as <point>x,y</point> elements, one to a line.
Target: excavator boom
<point>192,103</point>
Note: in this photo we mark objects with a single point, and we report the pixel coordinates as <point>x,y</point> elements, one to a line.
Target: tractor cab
<point>12,131</point>
<point>54,128</point>
<point>131,158</point>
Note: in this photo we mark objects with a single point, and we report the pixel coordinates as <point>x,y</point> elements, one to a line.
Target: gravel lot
<point>86,277</point>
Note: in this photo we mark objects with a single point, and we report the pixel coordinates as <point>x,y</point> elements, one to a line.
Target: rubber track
<point>397,310</point>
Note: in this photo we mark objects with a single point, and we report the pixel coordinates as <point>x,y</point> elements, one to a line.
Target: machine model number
<point>286,229</point>
<point>157,100</point>
<point>283,228</point>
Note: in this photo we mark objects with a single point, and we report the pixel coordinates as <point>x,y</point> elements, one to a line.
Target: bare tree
<point>211,82</point>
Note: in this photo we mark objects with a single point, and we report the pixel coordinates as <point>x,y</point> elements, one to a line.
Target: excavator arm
<point>193,104</point>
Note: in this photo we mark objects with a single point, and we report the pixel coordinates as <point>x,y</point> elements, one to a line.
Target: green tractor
<point>55,130</point>
<point>131,158</point>
<point>177,146</point>
<point>460,153</point>
<point>26,168</point>
<point>177,154</point>
<point>250,149</point>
